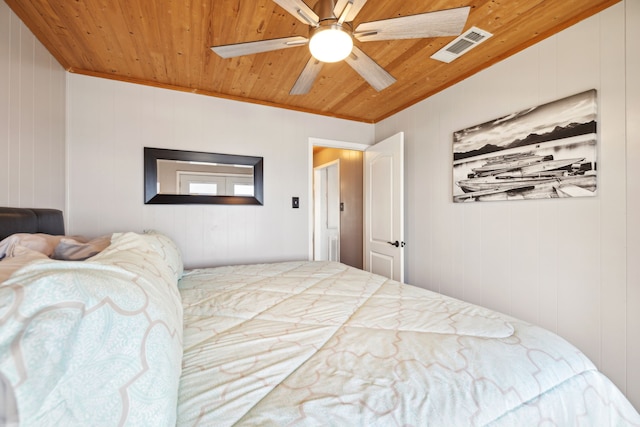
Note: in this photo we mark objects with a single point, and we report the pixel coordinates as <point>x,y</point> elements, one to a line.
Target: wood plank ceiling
<point>166,44</point>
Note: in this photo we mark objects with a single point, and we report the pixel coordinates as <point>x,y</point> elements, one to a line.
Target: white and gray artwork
<point>548,151</point>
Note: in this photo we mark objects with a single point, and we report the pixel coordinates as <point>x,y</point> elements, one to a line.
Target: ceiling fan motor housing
<point>324,10</point>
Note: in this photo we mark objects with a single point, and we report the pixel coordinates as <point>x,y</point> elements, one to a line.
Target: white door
<point>327,212</point>
<point>384,208</point>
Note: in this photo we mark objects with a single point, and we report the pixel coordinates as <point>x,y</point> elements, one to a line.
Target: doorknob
<point>397,244</point>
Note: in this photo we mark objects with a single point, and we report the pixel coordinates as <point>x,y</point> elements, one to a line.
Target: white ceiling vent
<point>462,44</point>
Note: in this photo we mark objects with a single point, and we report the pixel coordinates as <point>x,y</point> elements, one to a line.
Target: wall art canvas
<point>548,151</point>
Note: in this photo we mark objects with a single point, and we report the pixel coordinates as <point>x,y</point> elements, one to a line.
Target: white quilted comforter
<point>315,343</point>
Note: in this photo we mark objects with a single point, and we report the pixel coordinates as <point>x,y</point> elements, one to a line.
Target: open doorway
<point>389,221</point>
<point>348,211</point>
<point>326,211</point>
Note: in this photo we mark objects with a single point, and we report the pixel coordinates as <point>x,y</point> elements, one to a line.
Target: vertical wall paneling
<point>32,119</point>
<point>613,190</point>
<point>109,124</point>
<point>27,114</point>
<point>5,102</point>
<point>632,308</point>
<point>41,123</point>
<point>569,265</point>
<point>578,233</point>
<point>14,95</point>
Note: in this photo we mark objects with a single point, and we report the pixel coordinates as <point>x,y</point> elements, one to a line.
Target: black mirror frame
<point>152,155</point>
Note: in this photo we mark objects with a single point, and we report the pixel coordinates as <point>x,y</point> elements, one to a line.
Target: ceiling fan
<point>332,36</point>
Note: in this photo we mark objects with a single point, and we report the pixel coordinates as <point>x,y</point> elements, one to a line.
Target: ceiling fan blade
<point>248,48</point>
<point>448,22</point>
<point>300,11</point>
<point>307,77</point>
<point>349,14</point>
<point>374,74</point>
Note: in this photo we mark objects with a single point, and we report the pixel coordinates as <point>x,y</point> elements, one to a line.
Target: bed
<point>125,336</point>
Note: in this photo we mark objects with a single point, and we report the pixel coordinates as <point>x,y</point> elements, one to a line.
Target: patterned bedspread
<point>320,343</point>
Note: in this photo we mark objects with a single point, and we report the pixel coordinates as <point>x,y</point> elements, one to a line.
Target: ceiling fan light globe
<point>331,45</point>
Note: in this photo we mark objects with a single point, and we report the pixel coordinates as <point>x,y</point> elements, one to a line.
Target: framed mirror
<point>186,177</point>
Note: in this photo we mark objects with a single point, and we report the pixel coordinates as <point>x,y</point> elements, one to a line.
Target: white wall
<point>632,309</point>
<point>32,119</point>
<point>569,265</point>
<point>109,124</point>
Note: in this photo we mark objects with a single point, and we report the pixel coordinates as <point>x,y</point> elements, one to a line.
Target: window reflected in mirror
<point>178,177</point>
<point>200,178</point>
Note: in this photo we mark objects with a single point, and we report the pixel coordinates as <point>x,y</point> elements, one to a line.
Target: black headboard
<point>27,220</point>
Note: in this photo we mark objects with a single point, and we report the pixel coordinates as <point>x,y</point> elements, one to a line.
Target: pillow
<point>74,249</point>
<point>123,243</point>
<point>168,250</point>
<point>97,342</point>
<point>43,243</point>
<point>21,256</point>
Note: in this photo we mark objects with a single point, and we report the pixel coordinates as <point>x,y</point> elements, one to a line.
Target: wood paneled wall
<point>32,119</point>
<point>568,265</point>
